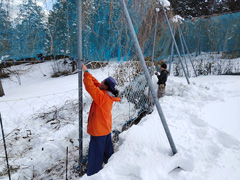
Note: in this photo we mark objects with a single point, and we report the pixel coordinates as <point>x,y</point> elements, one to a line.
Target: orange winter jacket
<point>100,115</point>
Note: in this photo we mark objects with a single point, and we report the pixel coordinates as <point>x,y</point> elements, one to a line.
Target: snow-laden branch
<point>165,3</point>
<point>177,19</point>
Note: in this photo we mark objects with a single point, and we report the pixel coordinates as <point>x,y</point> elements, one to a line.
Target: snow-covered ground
<point>40,119</point>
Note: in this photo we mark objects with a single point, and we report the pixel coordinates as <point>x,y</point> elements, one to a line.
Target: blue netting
<point>214,34</point>
<point>33,33</point>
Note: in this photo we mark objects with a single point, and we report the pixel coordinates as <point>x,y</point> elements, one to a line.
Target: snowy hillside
<point>40,119</point>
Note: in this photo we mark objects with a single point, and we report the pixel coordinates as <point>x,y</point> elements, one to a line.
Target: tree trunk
<point>1,87</point>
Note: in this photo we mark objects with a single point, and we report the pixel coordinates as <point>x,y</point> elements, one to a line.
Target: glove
<point>156,73</point>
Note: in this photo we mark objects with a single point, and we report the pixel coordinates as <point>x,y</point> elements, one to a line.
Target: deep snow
<point>203,118</point>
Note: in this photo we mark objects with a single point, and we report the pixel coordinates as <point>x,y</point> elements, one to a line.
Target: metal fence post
<point>172,50</point>
<point>80,100</point>
<point>147,75</point>
<point>155,34</point>
<point>5,148</point>
<point>183,52</point>
<point>181,34</point>
<point>174,41</point>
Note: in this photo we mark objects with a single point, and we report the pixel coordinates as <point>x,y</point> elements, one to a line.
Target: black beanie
<point>164,66</point>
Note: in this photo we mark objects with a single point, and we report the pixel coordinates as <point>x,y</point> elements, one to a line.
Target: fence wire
<point>207,64</point>
<point>38,32</point>
<point>33,123</point>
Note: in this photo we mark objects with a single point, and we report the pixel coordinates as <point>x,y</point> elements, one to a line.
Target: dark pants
<point>161,90</point>
<point>100,150</point>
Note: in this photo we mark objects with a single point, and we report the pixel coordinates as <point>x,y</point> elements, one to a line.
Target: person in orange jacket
<point>99,120</point>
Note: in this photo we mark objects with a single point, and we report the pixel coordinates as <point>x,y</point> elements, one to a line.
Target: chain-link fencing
<point>33,121</point>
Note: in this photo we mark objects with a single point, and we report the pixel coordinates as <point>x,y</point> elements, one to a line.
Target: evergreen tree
<point>5,27</point>
<point>4,42</point>
<point>62,28</point>
<point>193,8</point>
<point>30,30</point>
<point>233,5</point>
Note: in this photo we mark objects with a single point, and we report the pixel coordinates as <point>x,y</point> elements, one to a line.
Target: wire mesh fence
<point>33,122</point>
<point>41,36</point>
<point>207,64</point>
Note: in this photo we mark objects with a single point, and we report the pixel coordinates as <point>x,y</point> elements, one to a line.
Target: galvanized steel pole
<point>5,148</point>
<point>183,51</point>
<point>155,34</point>
<point>180,30</point>
<point>80,100</point>
<point>174,41</point>
<point>171,56</point>
<point>147,75</point>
